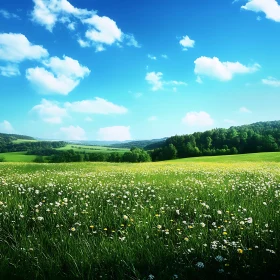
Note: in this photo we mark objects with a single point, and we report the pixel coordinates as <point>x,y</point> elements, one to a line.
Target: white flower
<point>200,265</point>
<point>40,218</point>
<point>219,212</point>
<point>249,220</point>
<point>202,224</point>
<point>178,212</point>
<point>125,217</point>
<point>219,258</point>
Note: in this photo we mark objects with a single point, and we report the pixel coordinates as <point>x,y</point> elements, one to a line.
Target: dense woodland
<point>257,137</point>
<point>51,155</point>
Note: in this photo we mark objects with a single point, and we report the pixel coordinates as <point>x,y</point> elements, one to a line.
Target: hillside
<point>253,138</point>
<point>138,143</point>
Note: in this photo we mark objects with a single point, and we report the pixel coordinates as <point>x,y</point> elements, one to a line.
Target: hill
<point>253,138</point>
<point>138,143</point>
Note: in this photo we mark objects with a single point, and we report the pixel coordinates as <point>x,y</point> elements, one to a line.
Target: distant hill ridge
<point>12,137</point>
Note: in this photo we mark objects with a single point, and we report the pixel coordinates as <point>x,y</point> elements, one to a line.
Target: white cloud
<point>64,75</point>
<point>16,48</point>
<point>199,80</point>
<point>138,94</point>
<point>271,82</point>
<point>152,118</point>
<point>164,56</point>
<point>6,127</point>
<point>97,106</point>
<point>114,133</point>
<point>50,112</point>
<point>152,57</point>
<point>244,110</point>
<point>131,41</point>
<point>155,79</point>
<point>9,70</point>
<point>186,42</point>
<point>101,30</point>
<point>73,133</point>
<point>269,7</point>
<point>223,71</point>
<point>83,43</point>
<point>198,119</point>
<point>8,15</point>
<point>48,12</point>
<point>104,30</point>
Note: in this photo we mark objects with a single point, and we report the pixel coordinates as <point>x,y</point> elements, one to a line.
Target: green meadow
<point>163,220</point>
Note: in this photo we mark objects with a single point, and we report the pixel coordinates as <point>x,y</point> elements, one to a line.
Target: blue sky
<point>122,70</point>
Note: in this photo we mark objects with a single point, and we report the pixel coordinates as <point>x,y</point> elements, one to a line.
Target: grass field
<point>18,141</point>
<point>17,157</point>
<point>92,149</point>
<point>166,220</point>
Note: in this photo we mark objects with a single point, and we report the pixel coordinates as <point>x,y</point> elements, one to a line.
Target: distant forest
<point>253,138</point>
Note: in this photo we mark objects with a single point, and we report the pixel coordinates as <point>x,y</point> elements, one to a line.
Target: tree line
<point>257,137</point>
<point>55,156</point>
<point>7,146</point>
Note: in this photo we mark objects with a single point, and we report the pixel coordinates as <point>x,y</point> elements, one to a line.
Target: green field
<point>18,141</point>
<point>257,157</point>
<point>92,149</point>
<point>17,157</point>
<point>164,220</point>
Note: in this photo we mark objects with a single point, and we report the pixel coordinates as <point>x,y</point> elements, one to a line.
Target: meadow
<point>165,220</point>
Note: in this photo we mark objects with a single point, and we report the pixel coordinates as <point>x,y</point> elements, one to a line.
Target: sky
<point>129,70</point>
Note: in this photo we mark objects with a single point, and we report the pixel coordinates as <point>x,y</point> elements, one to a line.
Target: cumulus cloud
<point>17,48</point>
<point>244,110</point>
<point>101,30</point>
<point>271,82</point>
<point>48,12</point>
<point>9,70</point>
<point>61,78</point>
<point>164,56</point>
<point>223,71</point>
<point>270,8</point>
<point>198,119</point>
<point>50,111</point>
<point>88,119</point>
<point>186,42</point>
<point>114,133</point>
<point>155,79</point>
<point>8,15</point>
<point>104,30</point>
<point>6,127</point>
<point>157,83</point>
<point>73,133</point>
<point>96,106</point>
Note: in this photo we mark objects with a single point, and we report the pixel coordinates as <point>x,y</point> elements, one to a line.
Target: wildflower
<point>239,251</point>
<point>125,217</point>
<point>200,265</point>
<point>186,239</point>
<point>202,224</point>
<point>178,212</point>
<point>40,218</point>
<point>159,226</point>
<point>219,258</point>
<point>73,229</point>
<point>151,277</point>
<point>224,233</point>
<point>219,212</point>
<point>91,226</point>
<point>105,229</point>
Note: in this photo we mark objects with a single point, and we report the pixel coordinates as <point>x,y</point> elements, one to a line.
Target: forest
<point>253,138</point>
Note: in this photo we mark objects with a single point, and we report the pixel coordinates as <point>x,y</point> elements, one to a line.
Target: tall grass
<point>139,221</point>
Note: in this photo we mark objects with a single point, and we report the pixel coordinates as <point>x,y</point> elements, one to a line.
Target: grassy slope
<point>257,157</point>
<point>17,157</point>
<point>18,141</point>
